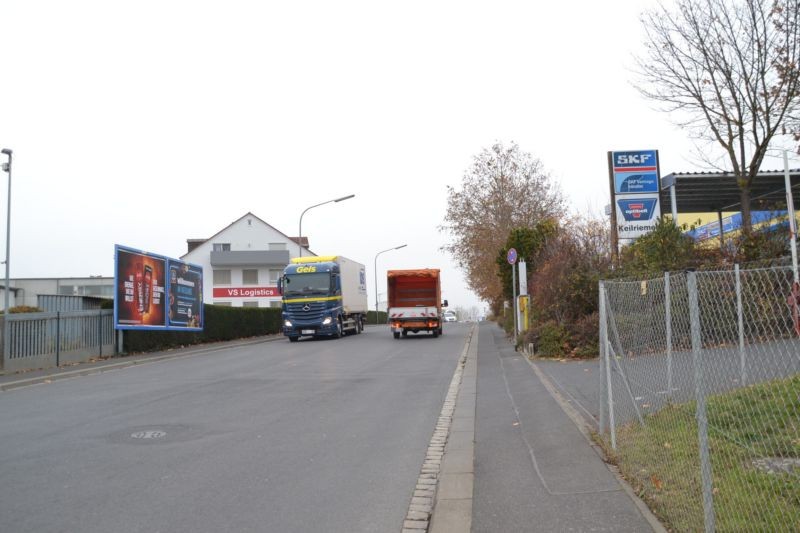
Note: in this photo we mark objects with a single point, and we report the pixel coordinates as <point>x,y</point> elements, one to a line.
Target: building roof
<point>705,192</point>
<point>194,243</point>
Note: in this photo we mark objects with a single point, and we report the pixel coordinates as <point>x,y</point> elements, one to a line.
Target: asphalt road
<point>325,435</point>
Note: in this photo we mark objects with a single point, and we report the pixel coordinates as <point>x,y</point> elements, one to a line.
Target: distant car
<point>450,317</point>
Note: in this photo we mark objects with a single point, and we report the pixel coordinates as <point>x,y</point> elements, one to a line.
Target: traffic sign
<point>511,256</point>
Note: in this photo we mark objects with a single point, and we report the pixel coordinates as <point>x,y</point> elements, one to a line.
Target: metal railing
<point>700,396</point>
<point>42,340</point>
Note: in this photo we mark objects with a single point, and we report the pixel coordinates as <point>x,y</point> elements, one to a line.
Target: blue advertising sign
<point>635,161</point>
<point>635,182</point>
<point>637,209</point>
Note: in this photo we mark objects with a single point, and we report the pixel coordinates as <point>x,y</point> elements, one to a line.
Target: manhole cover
<point>148,434</point>
<point>156,434</point>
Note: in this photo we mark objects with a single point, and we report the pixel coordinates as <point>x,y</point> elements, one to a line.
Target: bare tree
<point>504,188</point>
<point>728,69</point>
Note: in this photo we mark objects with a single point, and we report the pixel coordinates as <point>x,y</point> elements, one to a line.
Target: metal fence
<point>700,396</point>
<point>42,340</point>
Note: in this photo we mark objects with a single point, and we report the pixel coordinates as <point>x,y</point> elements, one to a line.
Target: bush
<point>221,324</point>
<point>584,336</point>
<point>548,339</point>
<point>24,309</point>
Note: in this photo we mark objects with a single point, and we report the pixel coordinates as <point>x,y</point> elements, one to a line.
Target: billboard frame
<point>168,262</point>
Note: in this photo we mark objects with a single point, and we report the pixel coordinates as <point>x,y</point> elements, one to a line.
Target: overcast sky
<point>146,123</point>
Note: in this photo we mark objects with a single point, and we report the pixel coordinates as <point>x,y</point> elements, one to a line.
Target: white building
<point>242,262</point>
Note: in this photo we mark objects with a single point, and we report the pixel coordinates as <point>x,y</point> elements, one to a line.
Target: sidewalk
<point>534,469</point>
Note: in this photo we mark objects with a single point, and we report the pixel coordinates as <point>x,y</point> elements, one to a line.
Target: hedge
<point>221,324</point>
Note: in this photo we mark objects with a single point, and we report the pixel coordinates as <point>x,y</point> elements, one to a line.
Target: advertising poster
<point>143,291</point>
<point>185,295</point>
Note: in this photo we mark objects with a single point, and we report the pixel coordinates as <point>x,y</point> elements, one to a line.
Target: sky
<point>148,123</point>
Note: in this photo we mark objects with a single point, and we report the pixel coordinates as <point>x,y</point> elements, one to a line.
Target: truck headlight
<point>287,323</point>
<point>326,321</point>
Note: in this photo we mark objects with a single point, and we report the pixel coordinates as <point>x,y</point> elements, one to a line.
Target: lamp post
<point>376,275</point>
<point>300,228</point>
<point>7,168</point>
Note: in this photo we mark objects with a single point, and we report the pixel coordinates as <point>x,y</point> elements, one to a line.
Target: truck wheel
<point>339,330</point>
<point>293,339</point>
<point>359,326</point>
<point>405,333</point>
<point>435,333</point>
<point>396,334</point>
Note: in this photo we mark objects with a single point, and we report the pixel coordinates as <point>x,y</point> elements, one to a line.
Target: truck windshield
<point>307,284</point>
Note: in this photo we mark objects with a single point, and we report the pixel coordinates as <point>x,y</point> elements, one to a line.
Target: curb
<point>435,480</point>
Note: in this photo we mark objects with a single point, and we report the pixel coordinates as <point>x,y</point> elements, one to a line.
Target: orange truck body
<point>415,301</point>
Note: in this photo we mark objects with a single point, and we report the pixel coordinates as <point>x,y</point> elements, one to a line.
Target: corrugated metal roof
<point>704,192</point>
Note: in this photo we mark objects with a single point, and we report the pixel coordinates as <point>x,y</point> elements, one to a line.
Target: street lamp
<point>376,276</point>
<point>300,229</point>
<point>7,168</point>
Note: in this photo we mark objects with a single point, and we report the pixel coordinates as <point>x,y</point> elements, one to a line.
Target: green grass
<point>661,460</point>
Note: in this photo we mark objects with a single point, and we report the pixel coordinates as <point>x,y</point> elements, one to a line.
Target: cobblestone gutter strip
<point>419,512</point>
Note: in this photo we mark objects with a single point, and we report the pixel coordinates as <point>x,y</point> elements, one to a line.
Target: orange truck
<point>415,301</point>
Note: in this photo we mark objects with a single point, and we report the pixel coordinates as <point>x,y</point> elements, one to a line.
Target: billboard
<point>156,292</point>
<point>635,187</point>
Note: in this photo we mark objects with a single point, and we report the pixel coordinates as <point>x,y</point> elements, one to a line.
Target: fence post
<point>668,321</point>
<point>58,338</point>
<point>607,352</point>
<point>601,345</point>
<point>702,420</point>
<point>740,319</point>
<point>100,332</point>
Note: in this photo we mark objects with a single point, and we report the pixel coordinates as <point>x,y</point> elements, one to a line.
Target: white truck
<point>323,296</point>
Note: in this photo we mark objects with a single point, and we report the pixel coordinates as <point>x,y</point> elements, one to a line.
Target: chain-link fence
<point>700,396</point>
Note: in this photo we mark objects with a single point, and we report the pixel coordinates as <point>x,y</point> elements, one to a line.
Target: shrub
<point>584,336</point>
<point>548,339</point>
<point>24,309</point>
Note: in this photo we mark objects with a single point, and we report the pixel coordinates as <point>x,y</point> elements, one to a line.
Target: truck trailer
<point>323,296</point>
<point>415,301</point>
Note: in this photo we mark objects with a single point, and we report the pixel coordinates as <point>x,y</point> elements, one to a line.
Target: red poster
<point>141,282</point>
<point>245,292</point>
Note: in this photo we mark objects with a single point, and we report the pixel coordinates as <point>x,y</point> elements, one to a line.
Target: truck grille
<point>306,311</point>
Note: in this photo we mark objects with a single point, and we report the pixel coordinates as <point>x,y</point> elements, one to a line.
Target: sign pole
<point>511,257</point>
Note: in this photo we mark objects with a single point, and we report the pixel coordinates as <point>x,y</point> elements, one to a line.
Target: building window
<point>277,246</point>
<point>273,277</point>
<point>222,277</point>
<point>249,304</point>
<point>223,304</point>
<point>222,247</point>
<point>250,277</point>
<point>275,303</point>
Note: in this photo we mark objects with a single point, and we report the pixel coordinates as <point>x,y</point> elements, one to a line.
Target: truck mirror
<point>444,303</point>
<point>280,286</point>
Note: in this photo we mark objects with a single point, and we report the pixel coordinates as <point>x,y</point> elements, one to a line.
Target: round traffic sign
<point>512,256</point>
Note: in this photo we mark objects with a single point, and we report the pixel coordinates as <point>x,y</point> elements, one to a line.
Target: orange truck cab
<point>415,301</point>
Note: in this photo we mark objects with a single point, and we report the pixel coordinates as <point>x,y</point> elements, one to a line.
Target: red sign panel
<point>245,292</point>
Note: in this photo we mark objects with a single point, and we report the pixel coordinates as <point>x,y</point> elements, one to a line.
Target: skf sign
<point>635,160</point>
<point>635,187</point>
